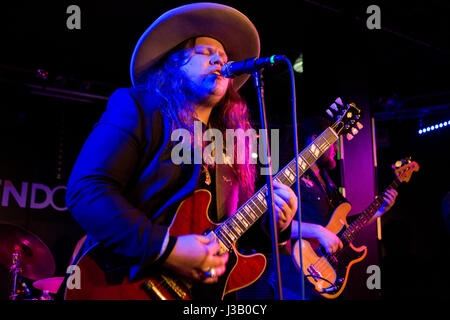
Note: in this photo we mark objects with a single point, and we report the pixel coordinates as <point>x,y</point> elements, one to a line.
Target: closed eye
<point>209,51</point>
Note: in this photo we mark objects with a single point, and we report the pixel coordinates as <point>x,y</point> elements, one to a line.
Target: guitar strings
<point>230,224</point>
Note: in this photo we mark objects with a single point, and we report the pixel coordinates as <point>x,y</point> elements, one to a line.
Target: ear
<point>311,139</point>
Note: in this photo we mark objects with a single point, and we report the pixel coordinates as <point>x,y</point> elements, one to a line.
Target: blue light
<point>433,127</point>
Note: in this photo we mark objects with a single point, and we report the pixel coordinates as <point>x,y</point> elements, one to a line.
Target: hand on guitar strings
<point>329,240</point>
<point>389,197</point>
<point>285,204</point>
<point>197,257</point>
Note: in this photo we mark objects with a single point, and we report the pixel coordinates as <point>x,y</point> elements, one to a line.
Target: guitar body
<point>329,273</point>
<point>163,284</point>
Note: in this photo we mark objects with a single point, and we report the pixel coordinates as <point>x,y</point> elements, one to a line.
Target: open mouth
<point>217,73</point>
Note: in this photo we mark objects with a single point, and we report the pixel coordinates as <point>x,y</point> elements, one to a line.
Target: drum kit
<point>27,258</point>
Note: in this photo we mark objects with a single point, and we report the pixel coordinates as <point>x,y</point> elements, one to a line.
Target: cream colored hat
<point>233,29</point>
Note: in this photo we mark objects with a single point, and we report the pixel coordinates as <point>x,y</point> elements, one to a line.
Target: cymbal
<point>35,258</point>
<point>50,284</point>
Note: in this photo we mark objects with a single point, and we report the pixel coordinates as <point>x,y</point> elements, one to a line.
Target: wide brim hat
<point>229,26</point>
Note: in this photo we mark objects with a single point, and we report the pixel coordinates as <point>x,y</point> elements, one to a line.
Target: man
<point>125,188</point>
<point>320,196</point>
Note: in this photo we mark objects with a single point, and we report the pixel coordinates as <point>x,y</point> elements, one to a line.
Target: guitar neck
<point>356,226</point>
<point>236,225</point>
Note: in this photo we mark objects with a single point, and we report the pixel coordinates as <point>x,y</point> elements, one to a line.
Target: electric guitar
<point>329,272</point>
<point>242,270</point>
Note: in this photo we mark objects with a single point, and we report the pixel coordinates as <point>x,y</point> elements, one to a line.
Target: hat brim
<point>230,27</point>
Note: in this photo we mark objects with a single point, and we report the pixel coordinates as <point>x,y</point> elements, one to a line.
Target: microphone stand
<point>259,85</point>
<point>299,207</point>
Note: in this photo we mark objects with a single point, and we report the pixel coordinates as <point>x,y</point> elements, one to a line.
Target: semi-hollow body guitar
<point>192,218</point>
<point>329,272</point>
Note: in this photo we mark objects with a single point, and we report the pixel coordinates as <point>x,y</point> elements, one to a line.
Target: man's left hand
<point>285,202</point>
<point>389,197</point>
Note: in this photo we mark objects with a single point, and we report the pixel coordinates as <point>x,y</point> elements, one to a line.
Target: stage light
<point>433,127</point>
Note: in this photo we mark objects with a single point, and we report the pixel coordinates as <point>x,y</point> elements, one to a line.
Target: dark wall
<point>41,136</point>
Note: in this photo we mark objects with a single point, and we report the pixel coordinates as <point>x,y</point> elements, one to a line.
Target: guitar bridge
<point>314,272</point>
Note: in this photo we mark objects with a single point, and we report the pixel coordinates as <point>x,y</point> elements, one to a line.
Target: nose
<point>217,59</point>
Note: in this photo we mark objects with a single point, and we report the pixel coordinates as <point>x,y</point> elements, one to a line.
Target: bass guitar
<point>242,270</point>
<point>329,272</point>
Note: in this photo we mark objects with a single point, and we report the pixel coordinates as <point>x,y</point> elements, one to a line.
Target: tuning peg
<point>359,125</point>
<point>397,164</point>
<point>329,113</point>
<point>349,136</point>
<point>354,131</point>
<point>334,107</point>
<point>339,102</point>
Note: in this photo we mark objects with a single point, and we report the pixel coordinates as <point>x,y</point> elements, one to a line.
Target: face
<point>203,70</point>
<point>327,160</point>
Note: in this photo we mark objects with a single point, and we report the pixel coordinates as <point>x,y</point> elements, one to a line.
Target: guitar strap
<point>334,196</point>
<point>227,191</point>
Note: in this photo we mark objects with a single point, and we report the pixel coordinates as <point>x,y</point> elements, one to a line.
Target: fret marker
<point>302,164</point>
<point>314,150</point>
<point>242,220</point>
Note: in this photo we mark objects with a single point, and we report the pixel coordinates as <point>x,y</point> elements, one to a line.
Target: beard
<point>327,163</point>
<point>207,92</point>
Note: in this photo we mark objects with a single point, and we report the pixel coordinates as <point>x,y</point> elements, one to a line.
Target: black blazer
<point>124,188</point>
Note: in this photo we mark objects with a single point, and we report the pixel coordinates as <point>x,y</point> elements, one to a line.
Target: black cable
<point>320,278</point>
<point>295,127</point>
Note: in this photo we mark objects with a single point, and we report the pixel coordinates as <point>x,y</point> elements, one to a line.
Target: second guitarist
<point>319,198</point>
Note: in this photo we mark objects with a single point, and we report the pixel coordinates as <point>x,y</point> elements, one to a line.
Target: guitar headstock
<point>404,169</point>
<point>345,118</point>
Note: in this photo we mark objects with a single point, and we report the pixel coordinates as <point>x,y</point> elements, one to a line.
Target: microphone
<point>249,66</point>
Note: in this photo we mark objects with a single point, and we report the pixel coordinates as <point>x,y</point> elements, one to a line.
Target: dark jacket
<point>318,204</point>
<point>124,188</point>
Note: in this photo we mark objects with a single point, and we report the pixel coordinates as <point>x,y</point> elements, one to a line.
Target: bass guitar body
<point>100,281</point>
<point>329,273</point>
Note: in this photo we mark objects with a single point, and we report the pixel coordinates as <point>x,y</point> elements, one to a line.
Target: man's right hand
<point>329,240</point>
<point>194,255</point>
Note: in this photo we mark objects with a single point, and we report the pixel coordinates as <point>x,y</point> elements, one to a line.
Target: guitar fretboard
<point>353,230</point>
<point>236,225</point>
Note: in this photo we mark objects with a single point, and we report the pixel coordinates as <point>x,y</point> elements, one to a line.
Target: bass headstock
<point>404,169</point>
<point>346,118</point>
